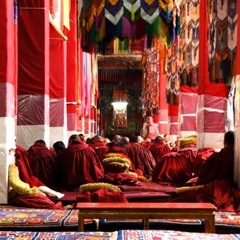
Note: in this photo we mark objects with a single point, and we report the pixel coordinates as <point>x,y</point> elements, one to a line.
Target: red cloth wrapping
<point>141,158</point>
<point>174,168</point>
<point>218,166</point>
<point>35,201</point>
<point>78,164</point>
<point>222,193</point>
<point>202,156</point>
<point>190,152</point>
<point>120,178</point>
<point>25,171</point>
<point>101,195</point>
<point>158,150</point>
<point>100,148</point>
<point>43,164</point>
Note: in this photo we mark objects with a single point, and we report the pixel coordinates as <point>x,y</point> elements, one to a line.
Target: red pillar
<point>212,99</point>
<point>8,84</point>
<point>72,79</point>
<point>187,111</point>
<point>173,120</point>
<point>33,72</point>
<point>163,106</point>
<point>57,87</point>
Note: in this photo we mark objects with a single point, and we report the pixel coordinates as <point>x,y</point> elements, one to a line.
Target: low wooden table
<point>146,211</point>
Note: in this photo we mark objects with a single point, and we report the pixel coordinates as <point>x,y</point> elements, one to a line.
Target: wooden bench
<point>146,211</point>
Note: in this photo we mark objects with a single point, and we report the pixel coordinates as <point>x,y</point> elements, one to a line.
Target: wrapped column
<point>8,69</point>
<point>163,106</point>
<point>173,120</point>
<point>33,72</point>
<point>212,99</point>
<point>72,77</point>
<point>187,111</point>
<point>58,78</point>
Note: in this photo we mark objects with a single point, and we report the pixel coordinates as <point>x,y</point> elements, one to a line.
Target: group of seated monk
<point>123,161</point>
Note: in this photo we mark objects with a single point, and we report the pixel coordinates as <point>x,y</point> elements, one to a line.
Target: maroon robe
<point>99,147</point>
<point>222,193</point>
<point>190,152</point>
<point>174,168</point>
<point>25,171</point>
<point>43,163</point>
<point>158,150</point>
<point>142,159</point>
<point>79,164</point>
<point>34,201</point>
<point>202,155</point>
<point>101,195</point>
<point>218,166</point>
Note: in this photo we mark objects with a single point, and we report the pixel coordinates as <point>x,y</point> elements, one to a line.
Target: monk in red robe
<point>43,163</point>
<point>220,164</point>
<point>78,164</point>
<point>141,157</point>
<point>100,147</point>
<point>150,129</point>
<point>173,167</point>
<point>25,171</point>
<point>26,175</point>
<point>222,193</point>
<point>159,148</point>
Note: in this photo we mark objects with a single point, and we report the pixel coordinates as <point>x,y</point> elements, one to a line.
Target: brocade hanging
<point>150,86</point>
<point>189,43</point>
<point>223,40</point>
<point>102,21</point>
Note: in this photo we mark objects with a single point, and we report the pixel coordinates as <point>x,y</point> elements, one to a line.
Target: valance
<point>104,20</point>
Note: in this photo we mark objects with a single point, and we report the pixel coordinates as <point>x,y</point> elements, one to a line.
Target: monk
<point>141,157</point>
<point>78,164</point>
<point>220,164</point>
<point>159,148</point>
<point>99,146</point>
<point>150,129</point>
<point>42,163</point>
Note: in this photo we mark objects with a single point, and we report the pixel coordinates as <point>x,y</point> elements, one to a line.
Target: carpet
<point>39,219</point>
<point>227,218</point>
<point>9,235</point>
<point>174,235</point>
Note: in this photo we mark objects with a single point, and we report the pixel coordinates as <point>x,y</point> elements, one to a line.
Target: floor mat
<point>39,219</point>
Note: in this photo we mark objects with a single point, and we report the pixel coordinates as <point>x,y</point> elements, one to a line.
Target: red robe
<point>142,159</point>
<point>79,164</point>
<point>222,193</point>
<point>99,147</point>
<point>158,150</point>
<point>174,168</point>
<point>43,163</point>
<point>218,166</point>
<point>25,171</point>
<point>202,155</point>
<point>190,152</point>
<point>35,201</point>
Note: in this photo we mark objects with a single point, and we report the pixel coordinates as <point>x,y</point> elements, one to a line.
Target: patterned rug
<point>227,219</point>
<point>39,219</point>
<point>168,234</point>
<point>7,235</point>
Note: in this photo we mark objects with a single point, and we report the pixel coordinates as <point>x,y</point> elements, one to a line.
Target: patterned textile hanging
<point>223,40</point>
<point>150,86</point>
<point>189,43</point>
<point>102,21</point>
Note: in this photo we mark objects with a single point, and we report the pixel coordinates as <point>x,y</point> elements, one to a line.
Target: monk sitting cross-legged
<point>78,164</point>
